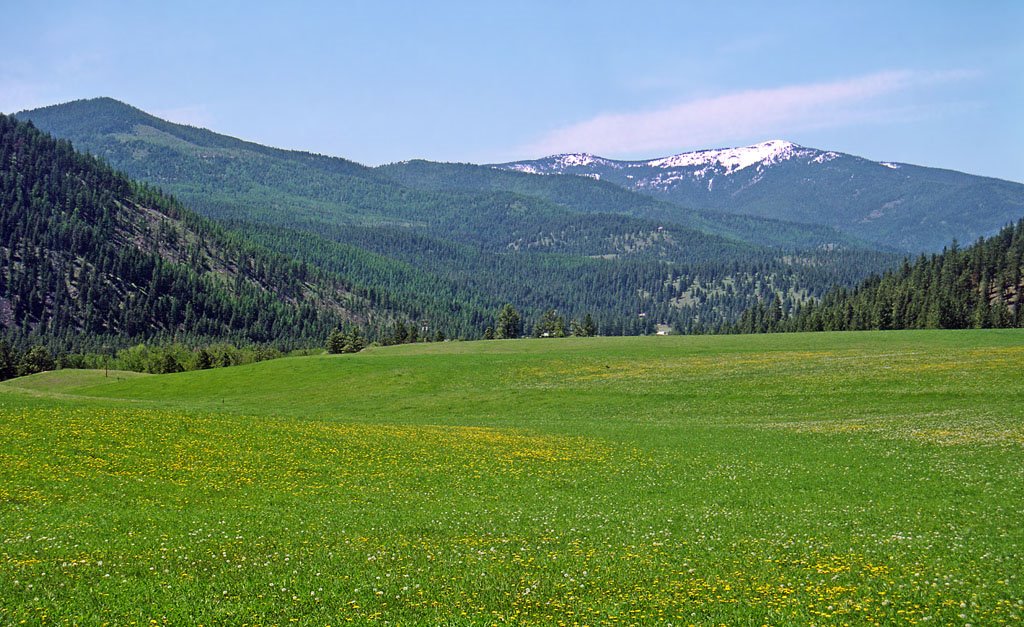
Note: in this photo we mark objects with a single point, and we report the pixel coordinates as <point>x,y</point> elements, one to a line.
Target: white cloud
<point>761,113</point>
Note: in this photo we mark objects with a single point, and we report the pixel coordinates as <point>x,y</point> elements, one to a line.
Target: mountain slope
<point>449,248</point>
<point>980,286</point>
<point>905,206</point>
<point>88,258</point>
<point>230,179</point>
<point>588,195</point>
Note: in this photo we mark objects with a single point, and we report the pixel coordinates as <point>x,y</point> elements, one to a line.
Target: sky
<point>935,83</point>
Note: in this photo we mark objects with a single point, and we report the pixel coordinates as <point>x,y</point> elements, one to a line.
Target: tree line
<point>508,324</point>
<point>975,287</point>
<point>154,359</point>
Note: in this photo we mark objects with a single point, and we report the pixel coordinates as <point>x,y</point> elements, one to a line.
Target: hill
<point>451,248</point>
<point>775,479</point>
<point>89,258</point>
<point>591,195</point>
<point>898,205</point>
<point>976,287</point>
<point>227,178</point>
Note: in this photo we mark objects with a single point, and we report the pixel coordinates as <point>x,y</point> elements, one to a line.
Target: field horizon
<point>825,478</point>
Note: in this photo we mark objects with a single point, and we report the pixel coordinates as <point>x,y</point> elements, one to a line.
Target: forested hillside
<point>583,194</point>
<point>89,258</point>
<point>230,179</point>
<point>976,287</point>
<point>449,245</point>
<point>898,205</point>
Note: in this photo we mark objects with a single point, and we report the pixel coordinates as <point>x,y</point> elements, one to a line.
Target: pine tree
<point>8,361</point>
<point>589,328</point>
<point>550,325</point>
<point>336,342</point>
<point>508,325</point>
<point>353,341</point>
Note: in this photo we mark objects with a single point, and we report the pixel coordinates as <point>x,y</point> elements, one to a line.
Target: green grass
<point>858,478</point>
<point>68,381</point>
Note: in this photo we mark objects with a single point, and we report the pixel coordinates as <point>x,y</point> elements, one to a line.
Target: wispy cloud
<point>760,113</point>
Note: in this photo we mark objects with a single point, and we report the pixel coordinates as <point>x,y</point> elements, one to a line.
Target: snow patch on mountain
<point>735,159</point>
<point>556,164</point>
<point>577,160</point>
<point>523,167</point>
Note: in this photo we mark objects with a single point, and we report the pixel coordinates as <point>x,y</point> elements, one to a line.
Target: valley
<point>770,479</point>
<point>445,246</point>
<point>502,314</point>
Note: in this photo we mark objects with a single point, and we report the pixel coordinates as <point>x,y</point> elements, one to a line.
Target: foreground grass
<point>854,478</point>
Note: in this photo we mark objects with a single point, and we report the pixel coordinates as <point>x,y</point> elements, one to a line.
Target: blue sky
<point>934,83</point>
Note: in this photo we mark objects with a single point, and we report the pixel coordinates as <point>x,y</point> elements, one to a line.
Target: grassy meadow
<point>828,479</point>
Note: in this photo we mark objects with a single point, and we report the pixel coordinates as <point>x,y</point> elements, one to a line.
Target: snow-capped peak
<point>556,163</point>
<point>575,159</point>
<point>734,159</point>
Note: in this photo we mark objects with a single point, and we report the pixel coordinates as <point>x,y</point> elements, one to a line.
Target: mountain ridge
<point>732,158</point>
<point>774,146</point>
<point>460,241</point>
<point>906,206</point>
<point>89,258</point>
<point>314,187</point>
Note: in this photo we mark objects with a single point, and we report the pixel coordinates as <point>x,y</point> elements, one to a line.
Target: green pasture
<point>831,478</point>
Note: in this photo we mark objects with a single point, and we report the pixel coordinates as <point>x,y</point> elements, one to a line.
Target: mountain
<point>230,179</point>
<point>980,286</point>
<point>908,207</point>
<point>449,244</point>
<point>591,196</point>
<point>90,258</point>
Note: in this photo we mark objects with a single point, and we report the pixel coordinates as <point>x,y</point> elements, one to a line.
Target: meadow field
<point>833,478</point>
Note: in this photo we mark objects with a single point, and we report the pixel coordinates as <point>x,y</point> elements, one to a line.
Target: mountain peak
<point>88,116</point>
<point>576,159</point>
<point>734,159</point>
<point>101,104</point>
<point>724,161</point>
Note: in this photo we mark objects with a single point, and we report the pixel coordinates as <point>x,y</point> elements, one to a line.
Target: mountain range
<point>230,179</point>
<point>690,241</point>
<point>899,205</point>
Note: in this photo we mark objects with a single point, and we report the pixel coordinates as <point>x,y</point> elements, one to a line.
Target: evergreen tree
<point>8,361</point>
<point>508,325</point>
<point>586,328</point>
<point>979,286</point>
<point>550,325</point>
<point>400,334</point>
<point>353,341</point>
<point>336,342</point>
